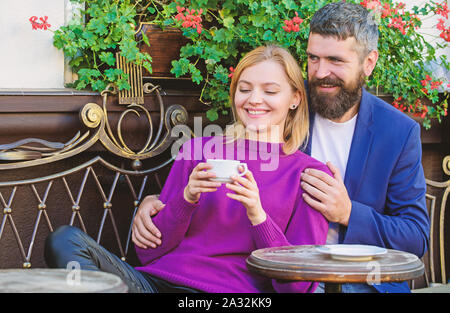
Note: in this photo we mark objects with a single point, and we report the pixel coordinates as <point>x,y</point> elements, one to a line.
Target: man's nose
<point>322,70</point>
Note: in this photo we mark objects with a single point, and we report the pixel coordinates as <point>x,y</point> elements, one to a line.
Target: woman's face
<point>263,99</point>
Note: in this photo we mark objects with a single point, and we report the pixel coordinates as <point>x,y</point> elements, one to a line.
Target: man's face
<point>335,75</point>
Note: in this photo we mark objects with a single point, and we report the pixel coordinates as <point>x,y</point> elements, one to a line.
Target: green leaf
<point>212,114</point>
<point>180,67</point>
<point>98,85</point>
<point>228,22</point>
<point>98,26</point>
<point>268,36</point>
<point>129,49</point>
<point>113,73</point>
<point>289,4</point>
<point>108,58</point>
<point>196,75</point>
<point>76,61</point>
<point>145,39</point>
<point>122,83</point>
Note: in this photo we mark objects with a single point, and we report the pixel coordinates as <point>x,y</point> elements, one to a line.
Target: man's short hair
<point>343,20</point>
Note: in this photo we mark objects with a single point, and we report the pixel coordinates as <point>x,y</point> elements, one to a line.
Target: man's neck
<point>348,115</point>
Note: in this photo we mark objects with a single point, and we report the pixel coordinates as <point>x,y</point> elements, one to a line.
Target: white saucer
<point>351,252</point>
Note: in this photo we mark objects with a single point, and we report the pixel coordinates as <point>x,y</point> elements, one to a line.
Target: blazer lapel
<point>359,150</point>
<point>307,148</point>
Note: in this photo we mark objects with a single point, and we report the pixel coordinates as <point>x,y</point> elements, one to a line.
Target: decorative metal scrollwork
<point>446,165</point>
<point>34,151</point>
<point>154,145</point>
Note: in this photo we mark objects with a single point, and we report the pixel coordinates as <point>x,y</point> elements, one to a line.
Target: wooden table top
<point>306,263</point>
<point>42,280</point>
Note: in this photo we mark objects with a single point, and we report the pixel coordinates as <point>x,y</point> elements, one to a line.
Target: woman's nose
<point>255,97</point>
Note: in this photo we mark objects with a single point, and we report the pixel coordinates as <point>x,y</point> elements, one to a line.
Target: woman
<point>209,228</point>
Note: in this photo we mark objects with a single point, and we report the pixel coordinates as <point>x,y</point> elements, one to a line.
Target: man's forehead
<point>330,45</point>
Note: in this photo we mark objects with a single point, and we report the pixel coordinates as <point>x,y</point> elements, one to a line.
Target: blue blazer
<point>385,181</point>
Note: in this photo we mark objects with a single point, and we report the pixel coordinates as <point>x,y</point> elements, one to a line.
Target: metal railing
<point>31,153</point>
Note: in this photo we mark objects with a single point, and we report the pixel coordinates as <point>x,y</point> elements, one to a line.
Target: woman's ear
<point>296,98</point>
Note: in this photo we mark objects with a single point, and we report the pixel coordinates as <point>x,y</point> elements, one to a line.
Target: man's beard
<point>334,106</point>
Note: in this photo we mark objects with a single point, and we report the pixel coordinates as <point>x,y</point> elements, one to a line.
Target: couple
<point>372,190</point>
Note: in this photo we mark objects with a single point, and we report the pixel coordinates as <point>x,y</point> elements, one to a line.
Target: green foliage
<point>91,41</point>
<point>230,28</point>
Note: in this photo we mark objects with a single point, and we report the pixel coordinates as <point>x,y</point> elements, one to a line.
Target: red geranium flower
<point>36,25</point>
<point>231,72</point>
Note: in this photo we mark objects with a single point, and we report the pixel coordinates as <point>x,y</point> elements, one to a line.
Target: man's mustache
<point>327,81</point>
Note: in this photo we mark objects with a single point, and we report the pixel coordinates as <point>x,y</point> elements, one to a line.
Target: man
<point>377,195</point>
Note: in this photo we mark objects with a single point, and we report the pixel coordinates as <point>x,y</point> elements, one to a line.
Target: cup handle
<point>245,169</point>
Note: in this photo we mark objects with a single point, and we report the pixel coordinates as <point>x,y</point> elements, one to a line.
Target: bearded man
<point>377,196</point>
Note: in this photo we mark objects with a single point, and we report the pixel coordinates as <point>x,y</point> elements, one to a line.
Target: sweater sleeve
<point>174,220</point>
<point>306,227</point>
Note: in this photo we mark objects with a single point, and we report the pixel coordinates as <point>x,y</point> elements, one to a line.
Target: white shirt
<point>331,142</point>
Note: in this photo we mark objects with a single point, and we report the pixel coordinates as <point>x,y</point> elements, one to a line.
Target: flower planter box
<point>164,47</point>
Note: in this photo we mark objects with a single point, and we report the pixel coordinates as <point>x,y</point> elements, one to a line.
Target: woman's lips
<point>256,113</point>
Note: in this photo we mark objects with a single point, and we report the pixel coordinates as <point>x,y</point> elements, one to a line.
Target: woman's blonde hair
<point>296,128</point>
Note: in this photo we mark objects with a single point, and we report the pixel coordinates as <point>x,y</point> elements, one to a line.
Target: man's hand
<point>326,194</point>
<point>144,232</point>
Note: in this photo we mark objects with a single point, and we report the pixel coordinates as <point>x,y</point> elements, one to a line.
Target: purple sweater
<point>205,245</point>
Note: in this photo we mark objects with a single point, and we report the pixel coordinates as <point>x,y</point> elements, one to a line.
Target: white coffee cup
<point>224,169</point>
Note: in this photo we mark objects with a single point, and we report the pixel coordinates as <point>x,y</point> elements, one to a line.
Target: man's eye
<point>313,58</point>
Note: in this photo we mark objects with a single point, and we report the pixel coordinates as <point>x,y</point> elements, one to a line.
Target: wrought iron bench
<point>94,181</point>
<point>436,276</point>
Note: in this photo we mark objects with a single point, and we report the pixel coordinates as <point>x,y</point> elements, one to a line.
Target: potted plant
<point>219,32</point>
<point>91,40</point>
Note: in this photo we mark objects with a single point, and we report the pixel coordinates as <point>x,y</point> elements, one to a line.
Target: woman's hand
<point>247,192</point>
<point>199,182</point>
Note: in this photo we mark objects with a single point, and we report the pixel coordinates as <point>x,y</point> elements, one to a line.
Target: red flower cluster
<point>419,109</point>
<point>424,110</point>
<point>293,25</point>
<point>190,18</point>
<point>388,11</point>
<point>370,4</point>
<point>231,72</point>
<point>429,81</point>
<point>399,23</point>
<point>442,9</point>
<point>400,106</point>
<point>36,25</point>
<point>445,34</point>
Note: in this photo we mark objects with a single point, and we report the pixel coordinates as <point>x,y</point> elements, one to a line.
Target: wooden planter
<point>164,47</point>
